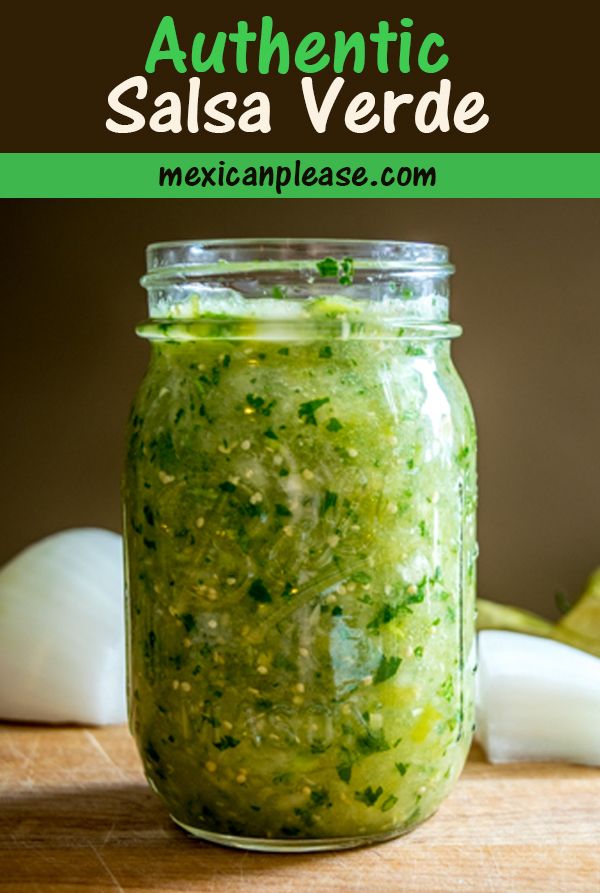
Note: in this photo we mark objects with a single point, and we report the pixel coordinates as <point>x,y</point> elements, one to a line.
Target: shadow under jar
<point>300,541</point>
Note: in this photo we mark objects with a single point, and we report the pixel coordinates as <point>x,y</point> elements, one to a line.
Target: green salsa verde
<point>300,532</point>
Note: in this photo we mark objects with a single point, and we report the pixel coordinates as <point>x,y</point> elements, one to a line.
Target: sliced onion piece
<point>62,637</point>
<point>537,699</point>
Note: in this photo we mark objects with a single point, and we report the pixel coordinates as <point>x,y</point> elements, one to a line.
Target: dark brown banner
<point>535,69</point>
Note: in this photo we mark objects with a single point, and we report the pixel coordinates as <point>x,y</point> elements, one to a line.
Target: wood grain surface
<point>77,815</point>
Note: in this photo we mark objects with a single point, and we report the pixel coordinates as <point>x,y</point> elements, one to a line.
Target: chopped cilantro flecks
<point>342,270</point>
<point>264,703</point>
<point>411,595</point>
<point>189,622</point>
<point>319,796</point>
<point>227,487</point>
<point>388,667</point>
<point>328,267</point>
<point>369,796</point>
<point>462,454</point>
<point>259,404</point>
<point>226,742</point>
<point>210,380</point>
<point>344,771</point>
<point>162,451</point>
<point>415,598</point>
<point>446,689</point>
<point>287,592</point>
<point>384,615</point>
<point>152,752</point>
<point>325,353</point>
<point>333,425</point>
<point>389,803</point>
<point>372,741</point>
<point>346,272</point>
<point>402,767</point>
<point>259,592</point>
<point>329,501</point>
<point>307,410</point>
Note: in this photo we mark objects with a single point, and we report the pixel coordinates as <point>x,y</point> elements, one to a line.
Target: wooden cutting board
<point>77,815</point>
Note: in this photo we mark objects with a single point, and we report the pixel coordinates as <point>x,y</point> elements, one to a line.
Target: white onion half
<point>537,699</point>
<point>62,637</point>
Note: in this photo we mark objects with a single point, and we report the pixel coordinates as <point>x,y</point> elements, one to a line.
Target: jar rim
<point>206,257</point>
<point>285,278</point>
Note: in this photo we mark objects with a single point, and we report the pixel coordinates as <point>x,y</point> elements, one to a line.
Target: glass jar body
<point>300,542</point>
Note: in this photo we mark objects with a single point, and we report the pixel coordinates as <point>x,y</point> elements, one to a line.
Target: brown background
<point>526,292</point>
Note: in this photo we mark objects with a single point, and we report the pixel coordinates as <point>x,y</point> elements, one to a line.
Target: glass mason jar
<point>300,539</point>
